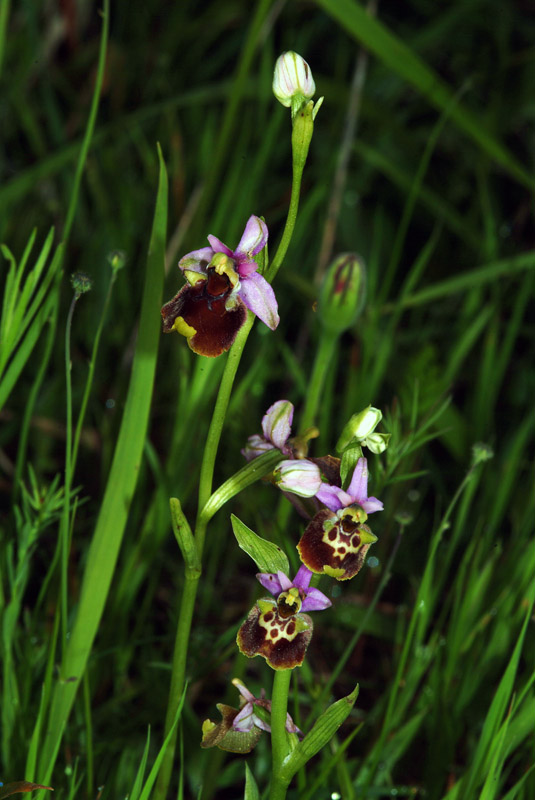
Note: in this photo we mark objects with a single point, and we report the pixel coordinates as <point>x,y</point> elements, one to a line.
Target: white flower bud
<point>298,476</point>
<point>292,76</point>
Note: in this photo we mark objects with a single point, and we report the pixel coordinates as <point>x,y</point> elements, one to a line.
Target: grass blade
<point>120,488</point>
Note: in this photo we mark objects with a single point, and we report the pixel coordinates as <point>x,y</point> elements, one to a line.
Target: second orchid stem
<point>279,742</point>
<point>324,355</point>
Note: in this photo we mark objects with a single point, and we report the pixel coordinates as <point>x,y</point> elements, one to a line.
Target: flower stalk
<point>324,356</point>
<point>279,741</point>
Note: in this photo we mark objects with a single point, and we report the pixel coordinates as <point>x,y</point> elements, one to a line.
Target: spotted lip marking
<point>282,642</point>
<point>332,541</point>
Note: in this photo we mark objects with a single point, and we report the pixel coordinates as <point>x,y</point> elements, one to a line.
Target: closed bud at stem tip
<point>292,78</point>
<point>342,293</point>
<point>81,282</point>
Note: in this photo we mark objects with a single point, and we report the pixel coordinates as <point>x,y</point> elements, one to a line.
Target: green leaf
<point>153,774</point>
<point>267,556</point>
<point>247,475</point>
<point>251,789</point>
<point>322,732</point>
<point>184,537</point>
<point>348,463</point>
<point>140,774</point>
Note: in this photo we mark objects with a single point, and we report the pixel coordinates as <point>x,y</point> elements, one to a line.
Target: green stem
<point>297,174</point>
<point>279,744</point>
<point>178,669</point>
<point>4,17</point>
<point>88,135</point>
<point>89,380</point>
<point>64,524</point>
<point>323,360</point>
<point>216,425</point>
<point>191,583</point>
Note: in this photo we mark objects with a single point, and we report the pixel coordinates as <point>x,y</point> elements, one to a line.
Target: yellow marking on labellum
<point>334,572</point>
<point>343,538</point>
<point>277,629</point>
<point>232,300</point>
<point>208,726</point>
<point>367,537</point>
<point>224,265</point>
<point>181,326</point>
<point>194,277</point>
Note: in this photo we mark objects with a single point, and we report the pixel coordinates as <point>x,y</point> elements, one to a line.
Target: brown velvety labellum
<point>339,547</point>
<point>275,639</point>
<point>202,307</point>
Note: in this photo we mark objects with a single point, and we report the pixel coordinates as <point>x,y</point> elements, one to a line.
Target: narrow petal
<point>291,727</point>
<point>372,504</point>
<point>256,445</point>
<point>243,690</point>
<point>333,497</point>
<point>254,237</point>
<point>197,260</point>
<point>315,601</point>
<point>259,723</point>
<point>284,581</point>
<point>302,579</point>
<point>277,422</point>
<point>217,246</point>
<point>244,720</point>
<point>358,488</point>
<point>259,297</point>
<point>269,581</point>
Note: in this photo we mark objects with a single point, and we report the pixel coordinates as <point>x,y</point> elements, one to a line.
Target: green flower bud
<point>81,282</point>
<point>481,452</point>
<point>117,259</point>
<point>342,293</point>
<point>377,442</point>
<point>359,427</point>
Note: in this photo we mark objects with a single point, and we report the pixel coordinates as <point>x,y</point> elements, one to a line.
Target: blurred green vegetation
<point>435,193</point>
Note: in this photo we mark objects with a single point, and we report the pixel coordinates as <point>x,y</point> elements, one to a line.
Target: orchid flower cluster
<point>334,543</point>
<point>223,288</point>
